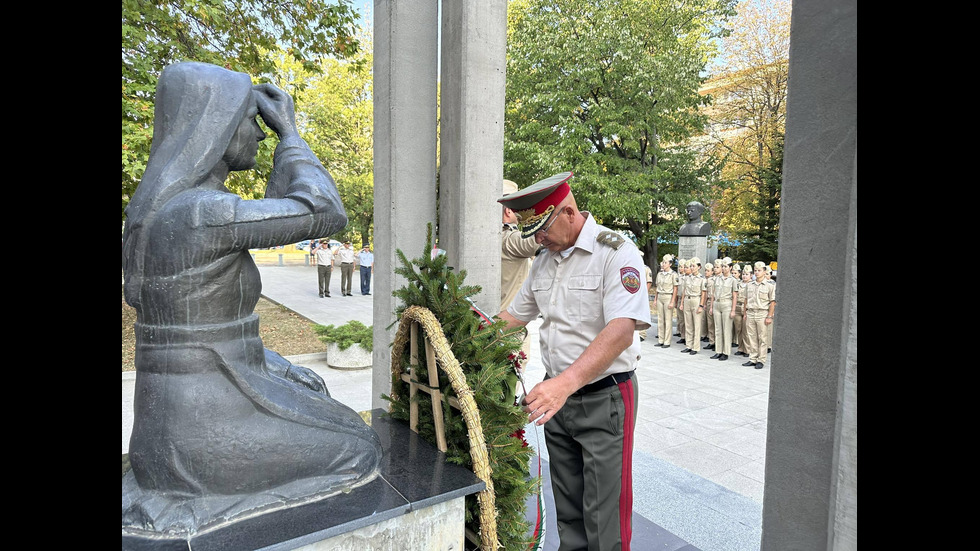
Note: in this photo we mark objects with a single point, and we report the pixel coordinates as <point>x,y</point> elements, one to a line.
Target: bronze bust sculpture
<point>695,226</point>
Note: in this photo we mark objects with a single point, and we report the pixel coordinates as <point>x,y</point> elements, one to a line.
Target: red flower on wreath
<point>519,433</point>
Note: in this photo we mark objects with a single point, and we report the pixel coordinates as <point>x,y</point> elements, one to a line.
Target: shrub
<point>350,333</point>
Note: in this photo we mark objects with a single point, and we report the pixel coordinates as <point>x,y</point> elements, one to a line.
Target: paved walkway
<point>699,456</point>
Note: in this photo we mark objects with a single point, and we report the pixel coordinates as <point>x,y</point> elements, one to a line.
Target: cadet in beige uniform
<point>722,312</point>
<point>708,323</point>
<point>771,281</point>
<point>682,274</point>
<point>516,253</point>
<point>760,302</point>
<point>665,298</point>
<point>649,286</point>
<point>743,346</point>
<point>590,291</point>
<point>693,307</point>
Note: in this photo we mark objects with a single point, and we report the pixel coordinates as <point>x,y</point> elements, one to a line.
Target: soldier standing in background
<point>722,311</point>
<point>682,275</point>
<point>708,325</point>
<point>760,302</point>
<point>695,292</point>
<point>664,300</point>
<point>516,253</point>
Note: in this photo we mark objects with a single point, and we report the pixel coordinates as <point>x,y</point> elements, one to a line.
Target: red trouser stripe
<point>626,484</point>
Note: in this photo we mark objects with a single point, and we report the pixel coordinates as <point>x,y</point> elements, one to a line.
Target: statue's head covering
<point>534,204</point>
<point>198,108</point>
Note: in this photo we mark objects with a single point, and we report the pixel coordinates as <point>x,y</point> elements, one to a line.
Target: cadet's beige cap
<point>508,187</point>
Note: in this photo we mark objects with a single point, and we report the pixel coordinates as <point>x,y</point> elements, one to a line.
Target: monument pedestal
<point>416,502</point>
<point>696,246</point>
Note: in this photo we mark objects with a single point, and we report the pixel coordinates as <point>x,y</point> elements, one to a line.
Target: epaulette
<point>610,238</point>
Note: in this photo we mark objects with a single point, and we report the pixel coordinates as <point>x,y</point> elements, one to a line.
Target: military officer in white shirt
<point>588,285</point>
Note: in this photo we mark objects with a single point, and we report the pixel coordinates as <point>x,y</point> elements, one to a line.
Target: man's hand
<point>545,399</point>
<point>548,396</point>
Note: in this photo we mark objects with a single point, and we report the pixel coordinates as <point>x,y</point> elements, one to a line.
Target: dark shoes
<point>715,356</point>
<point>709,347</point>
<point>321,295</point>
<point>748,364</point>
<point>693,352</point>
<point>682,341</point>
<point>685,350</point>
<point>759,365</point>
<point>723,357</point>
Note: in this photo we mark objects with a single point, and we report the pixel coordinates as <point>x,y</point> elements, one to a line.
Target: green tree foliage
<point>231,33</point>
<point>335,112</point>
<point>761,242</point>
<point>485,355</point>
<point>748,124</point>
<point>609,90</point>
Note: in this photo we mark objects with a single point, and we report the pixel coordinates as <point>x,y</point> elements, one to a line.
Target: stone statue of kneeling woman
<point>216,415</point>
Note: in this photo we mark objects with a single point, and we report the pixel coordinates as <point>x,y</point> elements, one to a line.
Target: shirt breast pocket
<point>584,297</point>
<point>541,287</point>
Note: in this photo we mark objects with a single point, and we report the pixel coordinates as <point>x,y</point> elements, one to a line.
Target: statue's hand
<point>276,109</point>
<point>306,377</point>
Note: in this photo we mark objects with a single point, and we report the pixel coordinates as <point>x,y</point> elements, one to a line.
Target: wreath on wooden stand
<point>475,374</point>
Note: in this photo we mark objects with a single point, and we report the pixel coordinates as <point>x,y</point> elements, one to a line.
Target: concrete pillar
<point>471,138</point>
<point>810,500</point>
<point>405,80</point>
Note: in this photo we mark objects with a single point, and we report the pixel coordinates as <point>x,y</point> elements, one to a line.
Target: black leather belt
<point>605,382</point>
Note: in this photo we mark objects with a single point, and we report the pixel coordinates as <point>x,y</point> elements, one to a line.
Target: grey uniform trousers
<point>590,448</point>
<point>323,278</point>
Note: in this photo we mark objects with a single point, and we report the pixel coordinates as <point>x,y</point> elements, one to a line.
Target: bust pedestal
<point>696,246</point>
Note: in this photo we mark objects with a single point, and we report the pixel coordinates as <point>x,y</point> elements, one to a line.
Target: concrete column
<point>405,80</point>
<point>810,500</point>
<point>471,138</point>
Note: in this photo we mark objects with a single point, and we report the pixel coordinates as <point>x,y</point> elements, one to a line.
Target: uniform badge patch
<point>631,279</point>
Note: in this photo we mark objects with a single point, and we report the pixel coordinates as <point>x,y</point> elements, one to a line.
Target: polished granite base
<point>414,475</point>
